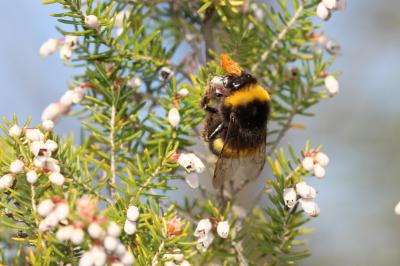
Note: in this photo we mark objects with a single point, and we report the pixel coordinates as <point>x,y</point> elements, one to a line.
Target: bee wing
<point>239,168</point>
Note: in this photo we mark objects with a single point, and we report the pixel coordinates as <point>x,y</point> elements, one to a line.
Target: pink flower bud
<point>319,171</point>
<point>113,229</point>
<point>45,207</point>
<point>6,181</point>
<point>62,210</point>
<point>132,214</point>
<point>308,163</point>
<point>95,230</point>
<point>77,236</point>
<point>110,243</point>
<point>130,227</point>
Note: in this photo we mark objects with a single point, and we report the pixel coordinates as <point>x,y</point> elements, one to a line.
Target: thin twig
<point>112,145</point>
<point>239,255</point>
<point>278,38</point>
<point>154,261</point>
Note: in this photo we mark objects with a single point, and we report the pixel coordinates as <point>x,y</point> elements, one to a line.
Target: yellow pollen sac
<point>218,145</point>
<point>247,95</point>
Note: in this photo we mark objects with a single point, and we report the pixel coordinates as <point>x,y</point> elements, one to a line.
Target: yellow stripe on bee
<point>246,95</point>
<point>218,145</point>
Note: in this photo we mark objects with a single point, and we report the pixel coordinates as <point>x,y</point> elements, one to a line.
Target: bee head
<point>236,83</point>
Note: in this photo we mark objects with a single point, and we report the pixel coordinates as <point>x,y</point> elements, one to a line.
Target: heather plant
<point>112,195</point>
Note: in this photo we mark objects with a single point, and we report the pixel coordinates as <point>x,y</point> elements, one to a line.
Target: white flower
<point>128,259</point>
<point>204,242</point>
<point>67,98</point>
<point>78,95</point>
<point>203,228</point>
<point>290,197</point>
<point>31,177</point>
<point>61,211</point>
<point>120,249</point>
<point>56,178</point>
<point>319,171</point>
<point>65,53</point>
<point>331,84</point>
<point>134,83</point>
<point>15,131</point>
<point>54,111</point>
<point>166,73</point>
<point>322,159</point>
<point>87,259</point>
<point>397,209</point>
<point>91,21</point>
<point>52,220</point>
<point>95,230</point>
<point>308,163</point>
<point>48,47</point>
<point>129,227</point>
<point>17,166</point>
<point>330,4</point>
<point>170,263</point>
<point>6,181</point>
<point>71,41</point>
<point>192,179</point>
<point>183,92</point>
<point>100,256</point>
<point>310,207</point>
<point>119,19</point>
<point>77,236</point>
<point>305,191</point>
<point>44,226</point>
<point>333,47</point>
<point>34,134</point>
<point>48,125</point>
<point>64,233</point>
<point>37,147</point>
<point>323,12</point>
<point>191,162</point>
<point>113,229</point>
<point>132,214</point>
<point>110,243</point>
<point>51,145</point>
<point>45,207</point>
<point>174,117</point>
<point>223,229</point>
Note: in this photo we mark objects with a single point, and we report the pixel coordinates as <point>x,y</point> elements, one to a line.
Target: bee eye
<point>236,84</point>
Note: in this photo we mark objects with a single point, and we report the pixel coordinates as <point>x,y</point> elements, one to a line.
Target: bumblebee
<point>238,109</point>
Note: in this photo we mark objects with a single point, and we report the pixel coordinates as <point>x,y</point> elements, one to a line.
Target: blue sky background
<point>360,128</point>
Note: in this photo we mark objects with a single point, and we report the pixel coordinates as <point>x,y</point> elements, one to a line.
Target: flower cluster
<point>42,162</point>
<point>193,165</point>
<point>315,161</point>
<point>55,110</point>
<point>132,215</point>
<point>305,195</point>
<point>64,45</point>
<point>102,234</point>
<point>54,211</point>
<point>204,232</point>
<point>326,7</point>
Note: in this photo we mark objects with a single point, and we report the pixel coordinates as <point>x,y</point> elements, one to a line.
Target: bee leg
<point>218,129</point>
